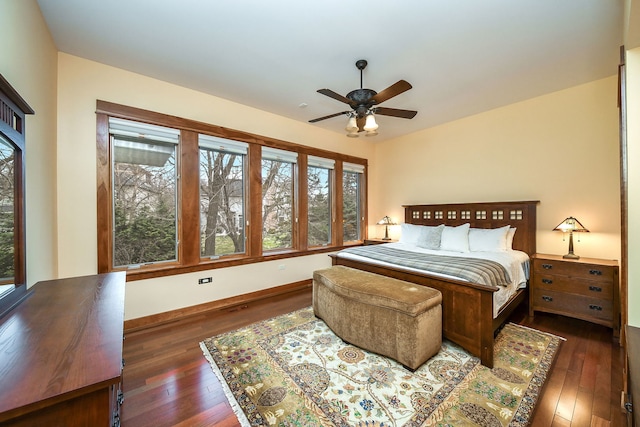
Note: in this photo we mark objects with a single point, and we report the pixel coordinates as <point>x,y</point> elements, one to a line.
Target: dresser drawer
<point>595,272</point>
<point>574,305</point>
<point>588,288</point>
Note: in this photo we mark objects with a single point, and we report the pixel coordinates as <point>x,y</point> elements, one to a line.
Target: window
<point>13,265</point>
<point>352,213</point>
<point>319,173</point>
<point>277,198</point>
<point>7,214</point>
<point>144,193</point>
<point>222,201</point>
<point>176,196</point>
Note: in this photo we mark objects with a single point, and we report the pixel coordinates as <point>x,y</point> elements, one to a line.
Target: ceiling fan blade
<point>336,96</point>
<point>329,116</point>
<point>393,90</point>
<point>394,112</point>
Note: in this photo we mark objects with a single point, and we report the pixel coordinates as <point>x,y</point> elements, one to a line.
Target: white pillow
<point>455,239</point>
<point>410,233</point>
<point>510,234</point>
<point>488,239</point>
<point>430,237</point>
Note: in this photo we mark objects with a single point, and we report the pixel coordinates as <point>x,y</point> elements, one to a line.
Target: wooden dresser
<point>586,289</point>
<point>61,354</point>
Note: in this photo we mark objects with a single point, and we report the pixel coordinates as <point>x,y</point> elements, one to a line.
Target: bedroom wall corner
<point>29,62</point>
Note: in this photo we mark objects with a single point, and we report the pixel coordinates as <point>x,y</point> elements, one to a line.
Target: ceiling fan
<point>364,104</point>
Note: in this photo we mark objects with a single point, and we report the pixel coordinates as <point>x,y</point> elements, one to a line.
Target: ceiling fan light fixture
<point>370,124</point>
<point>353,133</point>
<point>352,125</point>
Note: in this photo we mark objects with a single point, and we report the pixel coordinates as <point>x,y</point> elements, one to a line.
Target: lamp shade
<point>370,124</point>
<point>352,125</point>
<point>386,220</point>
<point>571,224</point>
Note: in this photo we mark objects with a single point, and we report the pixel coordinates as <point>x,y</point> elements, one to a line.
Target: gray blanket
<point>474,270</point>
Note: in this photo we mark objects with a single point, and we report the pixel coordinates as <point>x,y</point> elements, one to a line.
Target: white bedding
<point>513,262</point>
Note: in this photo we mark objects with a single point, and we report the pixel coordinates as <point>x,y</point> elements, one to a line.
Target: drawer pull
<point>595,272</point>
<point>546,298</point>
<point>547,266</point>
<point>547,281</point>
<point>595,288</point>
<point>595,307</point>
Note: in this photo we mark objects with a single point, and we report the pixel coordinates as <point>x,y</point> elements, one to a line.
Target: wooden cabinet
<point>586,289</point>
<point>61,354</point>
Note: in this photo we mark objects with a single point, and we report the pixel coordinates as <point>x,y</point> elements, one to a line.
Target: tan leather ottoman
<point>387,316</point>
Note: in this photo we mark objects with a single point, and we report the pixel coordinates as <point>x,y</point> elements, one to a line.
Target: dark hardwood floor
<point>168,382</point>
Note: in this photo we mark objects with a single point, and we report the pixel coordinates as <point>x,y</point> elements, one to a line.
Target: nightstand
<point>377,241</point>
<point>585,289</point>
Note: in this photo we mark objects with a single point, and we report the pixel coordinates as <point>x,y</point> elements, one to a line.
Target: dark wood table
<point>61,353</point>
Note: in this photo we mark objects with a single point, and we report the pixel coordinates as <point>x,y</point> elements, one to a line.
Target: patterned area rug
<point>292,370</point>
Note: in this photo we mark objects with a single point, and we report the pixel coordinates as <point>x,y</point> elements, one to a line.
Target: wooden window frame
<point>13,112</point>
<point>189,259</point>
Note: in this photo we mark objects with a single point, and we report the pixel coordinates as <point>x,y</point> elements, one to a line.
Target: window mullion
<point>189,200</point>
<point>254,205</point>
<point>302,225</point>
<point>337,230</point>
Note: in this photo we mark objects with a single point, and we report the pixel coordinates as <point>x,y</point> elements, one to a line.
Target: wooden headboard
<point>521,215</point>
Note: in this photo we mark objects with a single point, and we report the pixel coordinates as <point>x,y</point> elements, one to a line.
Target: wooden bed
<point>467,308</point>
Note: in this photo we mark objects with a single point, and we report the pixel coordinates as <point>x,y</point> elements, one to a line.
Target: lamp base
<point>571,256</point>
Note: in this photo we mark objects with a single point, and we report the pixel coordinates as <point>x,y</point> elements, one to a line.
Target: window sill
<point>172,270</point>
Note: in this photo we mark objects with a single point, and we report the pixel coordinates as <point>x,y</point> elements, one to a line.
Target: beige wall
<point>560,149</point>
<point>633,146</point>
<point>81,83</point>
<point>28,61</point>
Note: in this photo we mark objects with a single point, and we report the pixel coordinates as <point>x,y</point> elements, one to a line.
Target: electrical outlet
<point>204,280</point>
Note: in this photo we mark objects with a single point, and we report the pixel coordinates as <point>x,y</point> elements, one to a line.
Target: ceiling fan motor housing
<point>362,102</point>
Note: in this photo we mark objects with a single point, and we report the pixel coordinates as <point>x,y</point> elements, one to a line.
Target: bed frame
<point>467,308</point>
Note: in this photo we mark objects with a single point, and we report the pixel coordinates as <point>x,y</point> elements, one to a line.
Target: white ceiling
<point>461,56</point>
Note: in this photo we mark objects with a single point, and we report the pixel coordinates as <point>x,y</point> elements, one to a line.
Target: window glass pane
<point>351,206</point>
<point>319,206</point>
<point>222,225</point>
<point>7,212</point>
<point>144,201</point>
<point>277,204</point>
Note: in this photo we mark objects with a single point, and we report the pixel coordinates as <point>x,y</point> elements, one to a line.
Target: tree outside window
<point>7,196</point>
<point>277,198</point>
<point>144,193</point>
<point>222,182</point>
<point>319,205</point>
<point>351,197</point>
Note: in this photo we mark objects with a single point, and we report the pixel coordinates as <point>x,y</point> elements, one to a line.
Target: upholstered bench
<point>391,317</point>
